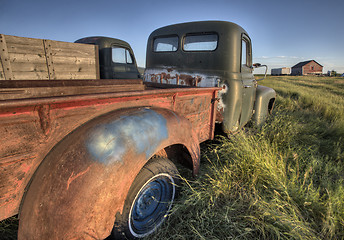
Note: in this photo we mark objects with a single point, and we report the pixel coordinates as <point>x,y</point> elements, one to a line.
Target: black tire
<point>149,200</point>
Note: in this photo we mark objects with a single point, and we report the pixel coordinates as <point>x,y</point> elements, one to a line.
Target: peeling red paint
<point>73,177</point>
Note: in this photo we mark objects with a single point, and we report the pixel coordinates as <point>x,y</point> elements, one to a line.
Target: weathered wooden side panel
<point>26,57</point>
<point>30,128</point>
<point>72,60</point>
<point>22,89</point>
<point>40,59</point>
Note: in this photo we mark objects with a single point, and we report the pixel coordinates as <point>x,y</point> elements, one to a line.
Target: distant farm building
<point>310,67</point>
<point>280,71</point>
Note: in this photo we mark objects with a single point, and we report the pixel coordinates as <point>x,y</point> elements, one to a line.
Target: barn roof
<point>301,64</point>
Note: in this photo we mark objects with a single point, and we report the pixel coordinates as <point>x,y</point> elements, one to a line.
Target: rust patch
<point>190,80</point>
<point>171,77</point>
<point>219,115</point>
<point>44,118</point>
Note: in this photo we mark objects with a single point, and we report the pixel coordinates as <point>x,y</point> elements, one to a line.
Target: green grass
<point>284,180</point>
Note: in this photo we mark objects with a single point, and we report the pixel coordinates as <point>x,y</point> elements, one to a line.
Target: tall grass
<point>284,181</point>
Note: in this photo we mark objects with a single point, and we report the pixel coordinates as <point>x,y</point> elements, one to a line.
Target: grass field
<point>284,180</point>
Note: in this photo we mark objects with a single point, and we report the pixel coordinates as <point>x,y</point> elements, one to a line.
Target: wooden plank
<point>80,52</point>
<point>22,93</point>
<point>31,75</point>
<point>74,60</point>
<point>25,49</point>
<point>23,40</point>
<point>79,67</point>
<point>75,75</point>
<point>29,67</point>
<point>76,49</point>
<point>5,59</point>
<point>68,82</point>
<point>27,58</point>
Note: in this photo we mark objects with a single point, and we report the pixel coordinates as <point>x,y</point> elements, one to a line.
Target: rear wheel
<point>149,200</point>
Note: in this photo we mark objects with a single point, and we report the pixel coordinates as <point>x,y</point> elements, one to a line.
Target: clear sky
<point>283,33</point>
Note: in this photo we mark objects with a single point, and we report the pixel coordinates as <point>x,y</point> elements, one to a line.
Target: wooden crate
<point>39,59</point>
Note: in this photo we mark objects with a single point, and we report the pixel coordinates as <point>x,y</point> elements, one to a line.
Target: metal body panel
<point>82,184</point>
<point>32,127</point>
<point>264,104</point>
<point>226,57</point>
<point>249,86</point>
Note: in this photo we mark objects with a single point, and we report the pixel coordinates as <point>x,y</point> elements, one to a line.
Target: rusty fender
<point>83,182</point>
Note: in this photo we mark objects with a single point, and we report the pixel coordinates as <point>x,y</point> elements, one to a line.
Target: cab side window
<point>121,55</point>
<point>246,54</point>
<point>243,52</point>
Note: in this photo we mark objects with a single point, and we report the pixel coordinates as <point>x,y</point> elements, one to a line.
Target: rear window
<point>200,42</point>
<point>166,44</point>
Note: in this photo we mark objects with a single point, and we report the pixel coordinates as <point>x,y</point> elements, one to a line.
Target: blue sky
<point>283,33</point>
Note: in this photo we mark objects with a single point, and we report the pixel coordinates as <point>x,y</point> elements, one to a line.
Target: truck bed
<point>36,115</point>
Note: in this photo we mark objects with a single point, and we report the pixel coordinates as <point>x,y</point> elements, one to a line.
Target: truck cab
<point>116,58</point>
<point>209,54</point>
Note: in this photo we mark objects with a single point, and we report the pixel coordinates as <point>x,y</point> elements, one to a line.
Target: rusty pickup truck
<point>89,152</point>
<point>92,158</point>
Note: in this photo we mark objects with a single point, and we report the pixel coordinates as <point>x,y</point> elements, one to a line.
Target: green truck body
<point>208,54</point>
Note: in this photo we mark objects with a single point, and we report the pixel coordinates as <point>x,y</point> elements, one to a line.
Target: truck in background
<point>116,58</point>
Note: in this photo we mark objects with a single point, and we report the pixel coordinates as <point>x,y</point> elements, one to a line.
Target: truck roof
<point>103,42</point>
<point>223,27</point>
<point>223,58</point>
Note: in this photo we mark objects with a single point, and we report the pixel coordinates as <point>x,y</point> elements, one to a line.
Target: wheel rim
<point>151,205</point>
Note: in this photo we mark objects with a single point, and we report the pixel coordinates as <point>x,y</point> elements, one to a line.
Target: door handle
<point>247,86</point>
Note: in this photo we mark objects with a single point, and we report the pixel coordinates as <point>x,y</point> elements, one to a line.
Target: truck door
<point>123,63</point>
<point>248,82</point>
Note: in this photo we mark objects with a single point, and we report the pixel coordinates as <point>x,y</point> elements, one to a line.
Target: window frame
<point>165,36</point>
<point>248,64</point>
<point>200,34</point>
<point>126,53</point>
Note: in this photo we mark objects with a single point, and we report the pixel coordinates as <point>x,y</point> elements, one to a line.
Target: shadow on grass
<point>9,228</point>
